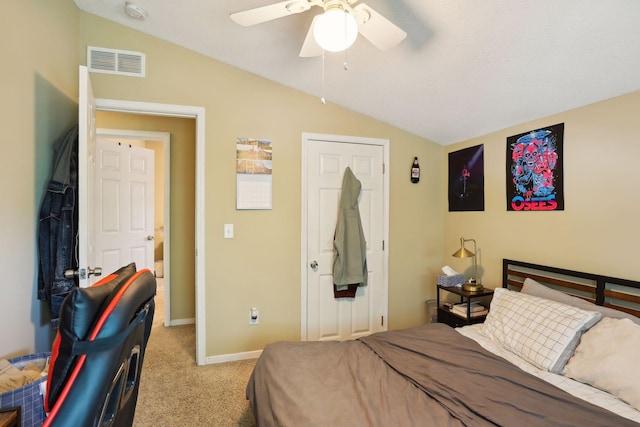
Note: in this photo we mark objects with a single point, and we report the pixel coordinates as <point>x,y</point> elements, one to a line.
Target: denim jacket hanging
<point>58,226</point>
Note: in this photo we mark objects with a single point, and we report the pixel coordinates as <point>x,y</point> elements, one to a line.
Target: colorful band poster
<point>466,179</point>
<point>534,170</point>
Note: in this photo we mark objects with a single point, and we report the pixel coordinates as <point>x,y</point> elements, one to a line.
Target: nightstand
<point>445,315</point>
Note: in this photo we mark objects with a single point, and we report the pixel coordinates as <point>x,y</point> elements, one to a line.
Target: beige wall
<point>39,86</point>
<point>598,230</point>
<point>261,265</point>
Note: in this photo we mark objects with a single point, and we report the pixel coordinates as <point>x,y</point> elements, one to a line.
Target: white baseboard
<point>180,322</point>
<point>222,358</point>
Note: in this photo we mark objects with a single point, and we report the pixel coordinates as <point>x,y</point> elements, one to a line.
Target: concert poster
<point>535,170</point>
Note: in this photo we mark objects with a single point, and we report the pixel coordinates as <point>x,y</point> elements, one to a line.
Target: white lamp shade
<point>335,30</point>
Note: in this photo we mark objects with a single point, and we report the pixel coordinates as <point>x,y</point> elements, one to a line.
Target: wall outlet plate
<point>253,316</point>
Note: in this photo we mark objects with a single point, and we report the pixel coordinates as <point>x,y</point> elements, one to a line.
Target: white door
<point>328,318</point>
<point>124,208</point>
<point>86,170</point>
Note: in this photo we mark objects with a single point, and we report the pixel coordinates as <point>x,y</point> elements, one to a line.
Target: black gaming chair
<point>98,352</point>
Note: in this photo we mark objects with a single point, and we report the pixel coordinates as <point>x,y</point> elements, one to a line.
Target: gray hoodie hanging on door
<point>350,247</point>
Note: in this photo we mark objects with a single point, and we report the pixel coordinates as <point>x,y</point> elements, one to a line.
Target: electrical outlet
<point>253,316</point>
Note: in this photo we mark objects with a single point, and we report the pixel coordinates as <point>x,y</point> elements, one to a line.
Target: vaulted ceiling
<point>465,69</point>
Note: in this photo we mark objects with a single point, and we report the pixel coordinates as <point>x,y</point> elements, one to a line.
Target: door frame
<point>197,113</point>
<point>165,139</point>
<point>309,137</point>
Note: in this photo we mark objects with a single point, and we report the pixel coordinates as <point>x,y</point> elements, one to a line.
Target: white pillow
<point>608,357</point>
<point>541,331</point>
<point>534,288</point>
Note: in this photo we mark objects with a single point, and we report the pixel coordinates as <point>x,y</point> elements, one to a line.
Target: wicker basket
<point>29,397</point>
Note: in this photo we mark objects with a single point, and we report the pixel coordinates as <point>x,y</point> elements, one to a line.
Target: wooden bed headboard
<point>620,294</point>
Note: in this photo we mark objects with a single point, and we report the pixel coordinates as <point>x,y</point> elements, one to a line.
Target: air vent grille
<point>113,61</point>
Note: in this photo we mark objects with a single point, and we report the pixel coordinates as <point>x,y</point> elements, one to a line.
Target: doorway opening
<point>197,113</point>
<point>160,142</point>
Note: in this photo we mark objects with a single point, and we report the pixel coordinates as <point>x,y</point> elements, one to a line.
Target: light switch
<point>228,231</point>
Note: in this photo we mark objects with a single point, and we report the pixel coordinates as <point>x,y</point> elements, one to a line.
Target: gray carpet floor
<point>174,391</point>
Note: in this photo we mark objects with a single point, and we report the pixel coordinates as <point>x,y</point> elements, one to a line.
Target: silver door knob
<point>83,273</point>
<point>314,265</point>
<point>150,237</point>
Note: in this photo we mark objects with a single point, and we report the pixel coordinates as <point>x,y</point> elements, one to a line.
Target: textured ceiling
<point>466,68</point>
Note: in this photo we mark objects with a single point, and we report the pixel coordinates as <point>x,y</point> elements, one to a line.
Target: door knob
<point>314,265</point>
<point>150,237</point>
<point>82,273</point>
<point>95,271</point>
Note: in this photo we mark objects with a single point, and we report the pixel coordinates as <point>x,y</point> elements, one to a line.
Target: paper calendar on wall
<point>254,183</point>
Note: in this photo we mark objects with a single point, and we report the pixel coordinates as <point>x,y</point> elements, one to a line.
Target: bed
<point>558,347</point>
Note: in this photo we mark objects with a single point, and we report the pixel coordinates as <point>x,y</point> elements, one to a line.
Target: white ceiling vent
<point>113,61</point>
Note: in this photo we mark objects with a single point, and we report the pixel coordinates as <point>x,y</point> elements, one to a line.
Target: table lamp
<point>472,284</point>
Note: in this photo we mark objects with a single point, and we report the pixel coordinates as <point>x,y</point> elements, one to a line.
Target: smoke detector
<point>135,11</point>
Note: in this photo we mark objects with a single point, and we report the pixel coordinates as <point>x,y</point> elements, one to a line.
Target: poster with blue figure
<point>534,170</point>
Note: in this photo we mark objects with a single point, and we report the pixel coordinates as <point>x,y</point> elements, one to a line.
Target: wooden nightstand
<point>453,319</point>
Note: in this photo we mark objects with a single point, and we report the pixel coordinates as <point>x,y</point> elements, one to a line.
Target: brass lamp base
<point>472,287</point>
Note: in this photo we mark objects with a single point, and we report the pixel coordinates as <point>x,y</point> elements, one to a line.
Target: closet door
<point>328,318</point>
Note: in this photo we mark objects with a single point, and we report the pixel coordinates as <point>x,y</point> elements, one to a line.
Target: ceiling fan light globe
<point>335,30</point>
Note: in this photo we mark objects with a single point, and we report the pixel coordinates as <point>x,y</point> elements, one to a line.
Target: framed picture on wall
<point>534,170</point>
<point>466,179</point>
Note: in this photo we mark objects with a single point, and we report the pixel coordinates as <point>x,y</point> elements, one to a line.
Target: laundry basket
<point>30,397</point>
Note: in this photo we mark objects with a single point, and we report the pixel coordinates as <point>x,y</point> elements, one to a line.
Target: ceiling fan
<point>381,32</point>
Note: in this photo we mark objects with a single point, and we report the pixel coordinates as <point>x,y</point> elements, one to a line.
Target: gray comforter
<point>426,376</point>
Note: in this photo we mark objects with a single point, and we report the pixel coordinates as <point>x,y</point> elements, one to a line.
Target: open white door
<point>87,270</point>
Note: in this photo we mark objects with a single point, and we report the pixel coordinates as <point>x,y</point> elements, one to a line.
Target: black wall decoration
<point>466,179</point>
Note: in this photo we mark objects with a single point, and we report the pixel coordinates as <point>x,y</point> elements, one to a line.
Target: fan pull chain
<point>322,98</point>
<point>345,65</point>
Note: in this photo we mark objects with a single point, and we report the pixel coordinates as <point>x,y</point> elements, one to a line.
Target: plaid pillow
<point>543,332</point>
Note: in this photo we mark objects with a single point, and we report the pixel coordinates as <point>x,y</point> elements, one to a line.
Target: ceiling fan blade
<point>270,12</point>
<point>381,32</point>
<point>310,47</point>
